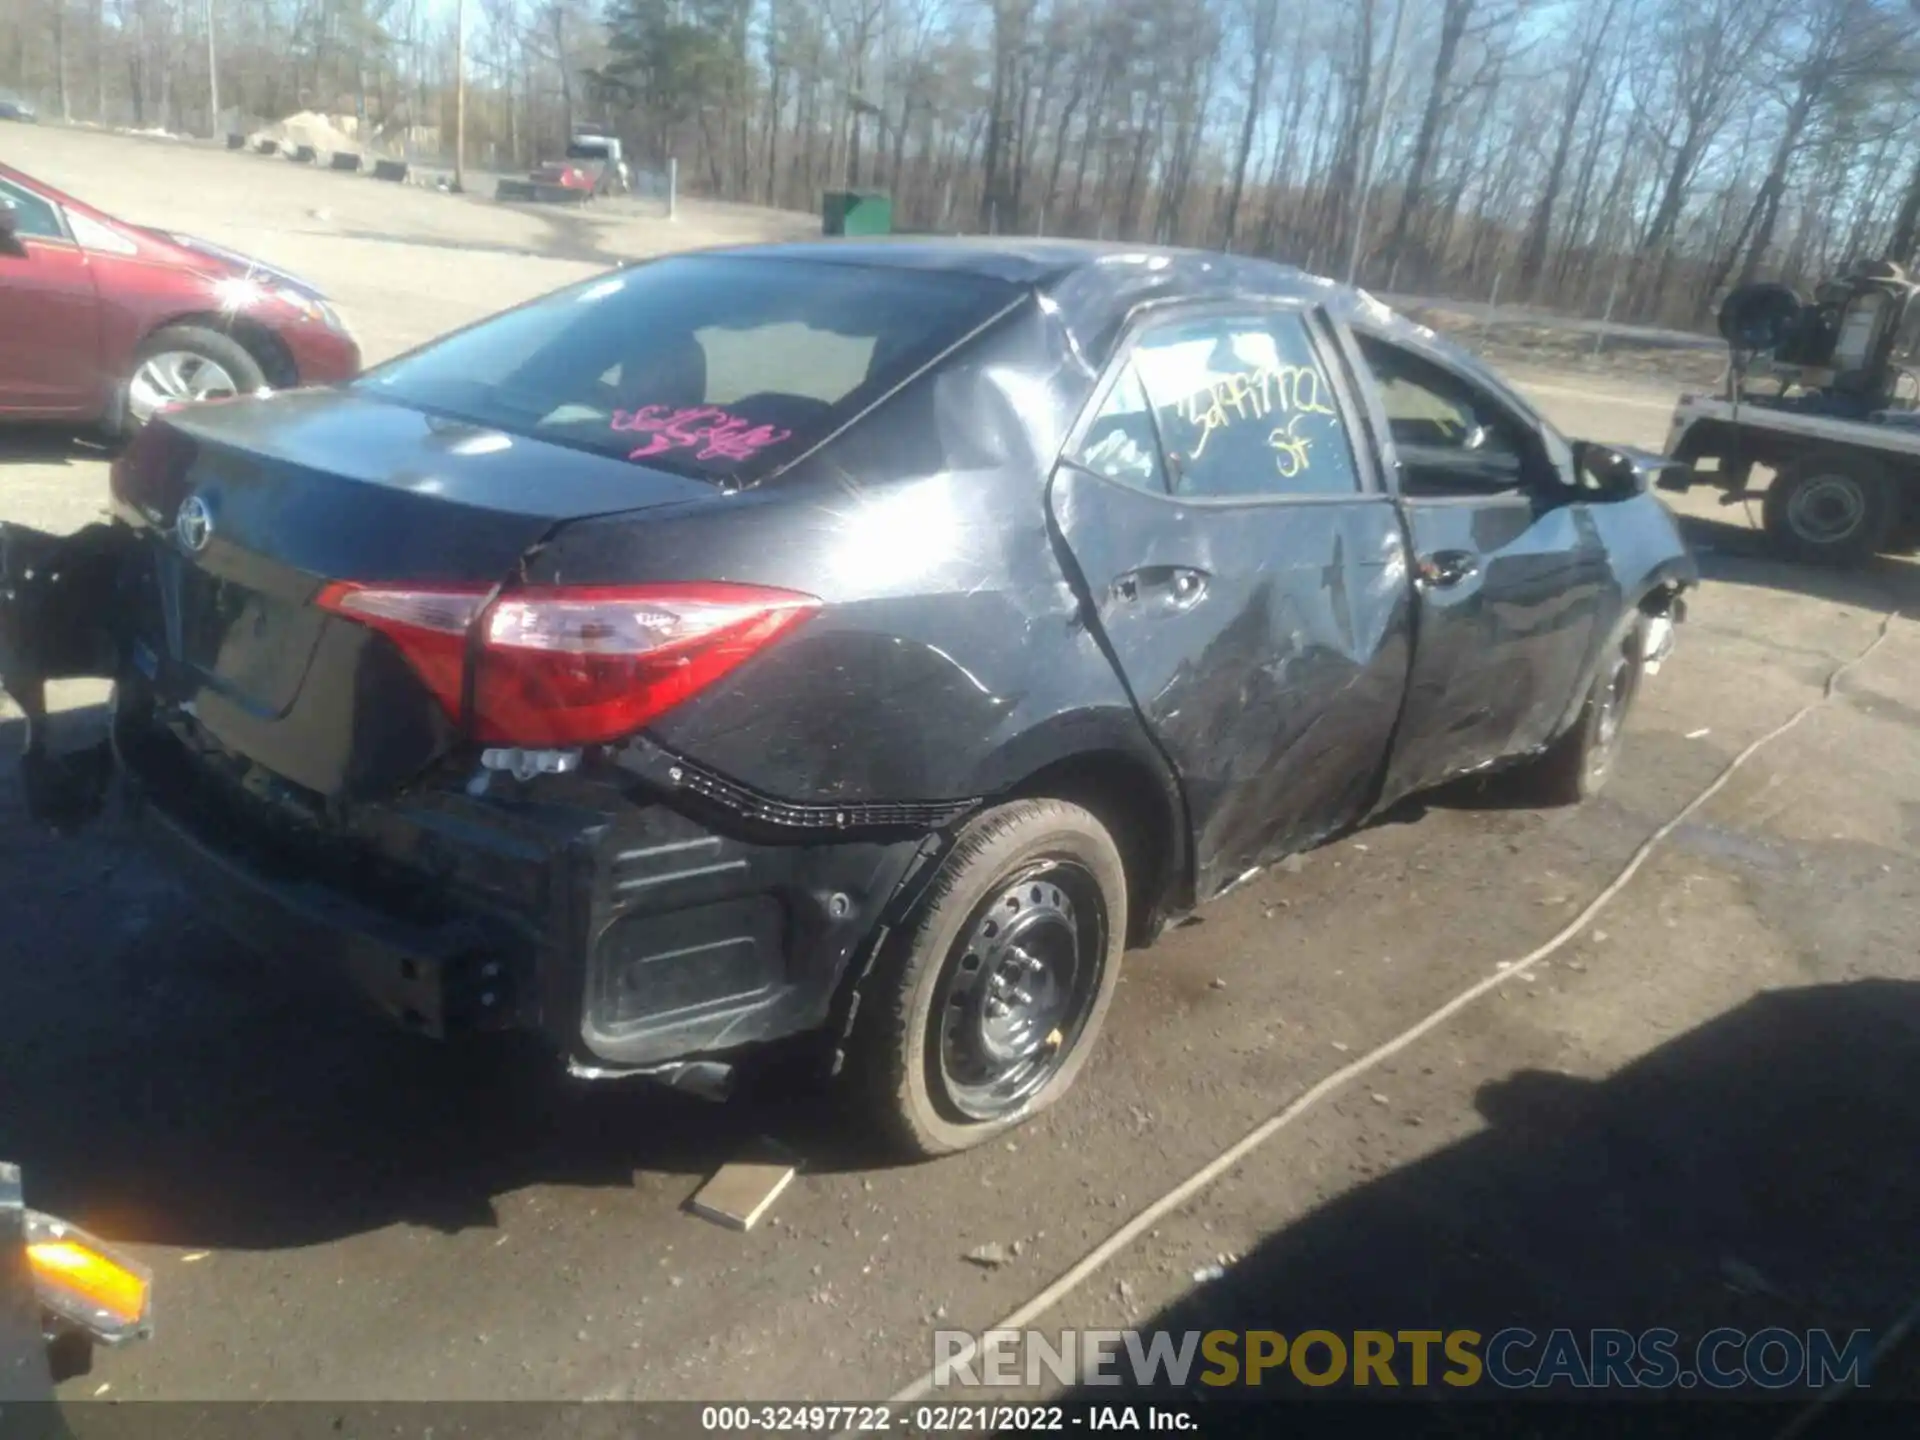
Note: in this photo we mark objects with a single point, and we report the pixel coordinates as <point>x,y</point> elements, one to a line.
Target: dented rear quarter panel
<point>950,656</point>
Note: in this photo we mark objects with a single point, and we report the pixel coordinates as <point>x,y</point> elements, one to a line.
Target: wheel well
<point>1660,599</point>
<point>259,341</point>
<point>1131,801</point>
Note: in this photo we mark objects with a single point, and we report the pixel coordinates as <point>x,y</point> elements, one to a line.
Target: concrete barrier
<point>514,190</point>
<point>305,154</point>
<point>344,160</point>
<point>268,147</point>
<point>390,170</point>
<point>236,141</point>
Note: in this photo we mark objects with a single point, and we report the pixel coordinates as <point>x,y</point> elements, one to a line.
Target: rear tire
<point>1576,766</point>
<point>1831,508</point>
<point>183,363</point>
<point>984,1012</point>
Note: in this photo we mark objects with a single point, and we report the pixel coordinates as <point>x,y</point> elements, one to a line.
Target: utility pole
<point>460,96</point>
<point>1373,145</point>
<point>213,78</point>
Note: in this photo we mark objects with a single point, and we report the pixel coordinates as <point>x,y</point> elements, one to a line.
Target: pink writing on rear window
<point>716,434</point>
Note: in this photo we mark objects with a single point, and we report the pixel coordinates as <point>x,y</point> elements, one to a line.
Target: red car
<point>106,322</point>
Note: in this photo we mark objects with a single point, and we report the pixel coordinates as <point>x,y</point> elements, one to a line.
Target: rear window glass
<point>713,366</point>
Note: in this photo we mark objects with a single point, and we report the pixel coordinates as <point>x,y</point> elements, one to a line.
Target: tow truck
<point>1819,393</point>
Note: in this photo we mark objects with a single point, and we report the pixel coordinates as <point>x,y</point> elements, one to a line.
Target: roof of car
<point>1099,284</point>
<point>1023,260</point>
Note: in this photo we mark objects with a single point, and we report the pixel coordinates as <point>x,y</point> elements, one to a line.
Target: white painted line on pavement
<point>1594,397</point>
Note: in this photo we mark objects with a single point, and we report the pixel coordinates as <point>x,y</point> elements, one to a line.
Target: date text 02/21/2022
<point>941,1419</point>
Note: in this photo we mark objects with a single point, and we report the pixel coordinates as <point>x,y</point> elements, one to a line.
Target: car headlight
<point>241,292</point>
<point>314,308</point>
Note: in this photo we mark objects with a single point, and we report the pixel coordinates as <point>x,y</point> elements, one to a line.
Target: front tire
<point>184,363</point>
<point>1831,509</point>
<point>1576,766</point>
<point>985,1011</point>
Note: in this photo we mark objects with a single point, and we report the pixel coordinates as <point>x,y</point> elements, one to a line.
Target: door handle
<point>1446,567</point>
<point>1173,587</point>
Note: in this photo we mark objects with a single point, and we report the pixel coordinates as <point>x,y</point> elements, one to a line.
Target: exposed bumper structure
<point>633,937</point>
<point>1658,637</point>
<point>429,978</point>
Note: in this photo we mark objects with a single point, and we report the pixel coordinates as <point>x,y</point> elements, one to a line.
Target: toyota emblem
<point>193,526</point>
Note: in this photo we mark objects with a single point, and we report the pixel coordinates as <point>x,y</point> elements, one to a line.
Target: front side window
<point>33,218</point>
<point>1452,437</point>
<point>715,366</point>
<point>1246,408</point>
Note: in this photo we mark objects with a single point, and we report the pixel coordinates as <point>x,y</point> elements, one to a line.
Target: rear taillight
<point>572,665</point>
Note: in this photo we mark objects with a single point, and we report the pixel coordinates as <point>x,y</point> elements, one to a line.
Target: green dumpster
<point>856,212</point>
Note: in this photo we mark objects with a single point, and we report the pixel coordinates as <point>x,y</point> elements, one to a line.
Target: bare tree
<point>1663,147</point>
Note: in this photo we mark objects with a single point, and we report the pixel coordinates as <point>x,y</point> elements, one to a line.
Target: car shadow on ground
<point>1754,1172</point>
<point>52,445</point>
<point>1733,552</point>
<point>164,1084</point>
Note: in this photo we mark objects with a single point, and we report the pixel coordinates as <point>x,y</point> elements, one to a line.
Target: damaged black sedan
<point>859,644</point>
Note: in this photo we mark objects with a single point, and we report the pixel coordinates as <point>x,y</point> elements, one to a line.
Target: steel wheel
<point>1017,990</point>
<point>1832,507</point>
<point>984,1008</point>
<point>1611,700</point>
<point>173,376</point>
<point>1827,509</point>
<point>1575,766</point>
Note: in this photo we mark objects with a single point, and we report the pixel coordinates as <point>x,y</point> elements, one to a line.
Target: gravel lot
<point>1703,1110</point>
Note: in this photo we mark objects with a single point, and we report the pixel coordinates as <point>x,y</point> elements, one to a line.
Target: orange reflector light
<point>75,1272</point>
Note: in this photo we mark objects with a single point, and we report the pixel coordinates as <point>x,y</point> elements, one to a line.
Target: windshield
<point>714,366</point>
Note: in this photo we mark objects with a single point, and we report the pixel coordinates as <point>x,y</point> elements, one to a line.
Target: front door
<point>1512,580</point>
<point>49,321</point>
<point>1248,573</point>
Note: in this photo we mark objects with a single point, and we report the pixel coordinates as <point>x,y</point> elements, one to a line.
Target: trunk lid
<point>252,507</point>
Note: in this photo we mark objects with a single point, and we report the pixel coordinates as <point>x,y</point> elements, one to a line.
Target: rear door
<point>1512,582</point>
<point>49,319</point>
<point>1247,571</point>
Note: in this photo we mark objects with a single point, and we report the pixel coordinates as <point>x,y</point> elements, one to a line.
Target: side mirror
<point>1604,469</point>
<point>1616,472</point>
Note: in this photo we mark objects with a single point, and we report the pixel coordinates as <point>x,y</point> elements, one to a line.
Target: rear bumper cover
<point>627,933</point>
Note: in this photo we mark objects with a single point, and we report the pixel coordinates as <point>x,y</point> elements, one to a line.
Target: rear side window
<point>1246,408</point>
<point>713,366</point>
<point>1121,443</point>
